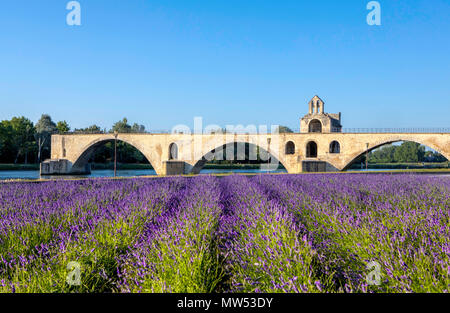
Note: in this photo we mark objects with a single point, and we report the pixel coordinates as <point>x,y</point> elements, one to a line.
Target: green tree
<point>383,155</point>
<point>409,152</point>
<point>93,129</point>
<point>62,127</point>
<point>121,126</point>
<point>6,152</point>
<point>22,137</point>
<point>284,129</point>
<point>16,140</point>
<point>136,128</point>
<point>45,127</point>
<point>434,156</point>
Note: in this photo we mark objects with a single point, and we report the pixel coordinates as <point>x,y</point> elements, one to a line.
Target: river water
<point>34,175</point>
<point>7,175</point>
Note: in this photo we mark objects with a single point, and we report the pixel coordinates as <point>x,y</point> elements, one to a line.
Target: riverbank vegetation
<point>23,142</point>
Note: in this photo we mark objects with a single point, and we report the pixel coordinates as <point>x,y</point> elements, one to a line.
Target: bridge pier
<point>175,168</point>
<point>62,167</point>
<point>314,166</point>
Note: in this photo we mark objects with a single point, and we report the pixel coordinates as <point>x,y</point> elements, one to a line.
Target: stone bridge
<point>172,154</point>
<point>321,146</point>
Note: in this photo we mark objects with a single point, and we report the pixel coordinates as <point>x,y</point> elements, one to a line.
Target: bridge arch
<point>375,145</point>
<point>289,148</point>
<point>81,161</point>
<point>173,151</point>
<point>273,157</point>
<point>311,149</point>
<point>315,126</point>
<point>335,147</point>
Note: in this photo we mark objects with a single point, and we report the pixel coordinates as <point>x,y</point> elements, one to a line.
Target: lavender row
<point>400,222</point>
<point>72,222</point>
<point>176,251</point>
<point>262,247</point>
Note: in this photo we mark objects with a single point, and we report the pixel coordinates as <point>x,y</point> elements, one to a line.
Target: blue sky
<point>161,63</point>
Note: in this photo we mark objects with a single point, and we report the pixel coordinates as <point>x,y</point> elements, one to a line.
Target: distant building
<point>317,121</point>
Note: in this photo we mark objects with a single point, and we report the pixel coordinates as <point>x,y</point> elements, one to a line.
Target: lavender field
<point>269,233</point>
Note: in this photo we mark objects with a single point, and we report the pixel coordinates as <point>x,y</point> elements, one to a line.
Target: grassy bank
<point>121,166</point>
<point>127,166</point>
<point>19,167</point>
<point>222,175</point>
<point>393,166</point>
<point>212,166</point>
<point>400,171</point>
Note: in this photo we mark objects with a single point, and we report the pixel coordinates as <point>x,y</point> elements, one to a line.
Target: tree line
<point>22,141</point>
<point>407,152</point>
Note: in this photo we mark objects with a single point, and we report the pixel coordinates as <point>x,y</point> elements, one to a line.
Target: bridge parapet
<point>406,130</point>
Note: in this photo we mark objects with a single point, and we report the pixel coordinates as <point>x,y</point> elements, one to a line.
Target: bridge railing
<point>418,130</point>
<point>414,130</point>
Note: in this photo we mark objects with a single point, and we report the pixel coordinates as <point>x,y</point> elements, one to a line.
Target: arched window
<point>173,151</point>
<point>335,147</point>
<point>315,126</point>
<point>290,148</point>
<point>311,150</point>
